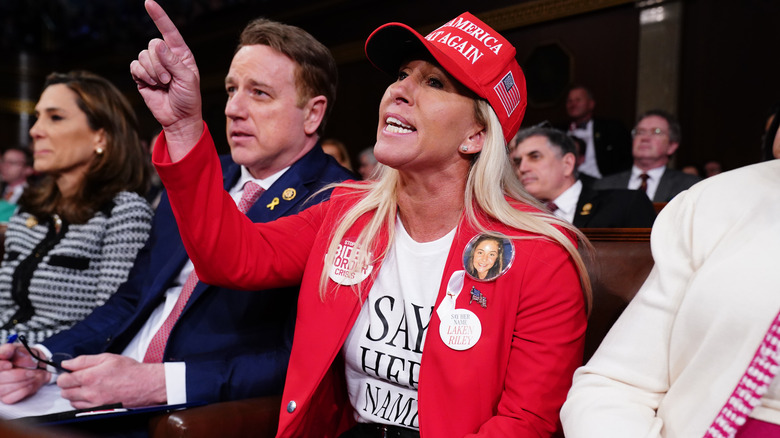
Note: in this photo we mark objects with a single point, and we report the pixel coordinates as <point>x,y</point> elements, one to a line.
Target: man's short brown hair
<point>316,73</point>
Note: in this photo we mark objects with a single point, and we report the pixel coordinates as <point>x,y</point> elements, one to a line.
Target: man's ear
<point>313,113</point>
<point>569,163</point>
<point>672,148</point>
<point>474,142</point>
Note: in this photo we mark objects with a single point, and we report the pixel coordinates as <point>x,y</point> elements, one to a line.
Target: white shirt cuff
<point>44,350</point>
<point>47,354</point>
<point>176,382</point>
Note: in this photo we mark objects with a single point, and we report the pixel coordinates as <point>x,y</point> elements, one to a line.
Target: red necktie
<point>643,185</point>
<point>154,353</point>
<point>551,206</point>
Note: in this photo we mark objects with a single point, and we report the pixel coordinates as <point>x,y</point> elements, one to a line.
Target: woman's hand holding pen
<point>169,82</point>
<point>18,377</point>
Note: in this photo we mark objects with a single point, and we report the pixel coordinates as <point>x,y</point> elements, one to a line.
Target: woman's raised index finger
<point>167,29</point>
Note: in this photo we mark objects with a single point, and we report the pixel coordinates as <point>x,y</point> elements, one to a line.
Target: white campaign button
<point>343,270</point>
<point>460,330</point>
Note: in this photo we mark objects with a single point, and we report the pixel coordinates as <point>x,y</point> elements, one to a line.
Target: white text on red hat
<point>468,50</point>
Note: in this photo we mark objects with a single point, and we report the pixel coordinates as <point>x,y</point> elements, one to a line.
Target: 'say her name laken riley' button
<point>460,330</point>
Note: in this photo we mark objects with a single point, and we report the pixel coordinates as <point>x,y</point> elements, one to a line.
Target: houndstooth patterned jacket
<point>75,271</point>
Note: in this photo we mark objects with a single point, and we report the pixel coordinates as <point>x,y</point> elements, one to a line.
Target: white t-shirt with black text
<point>383,351</point>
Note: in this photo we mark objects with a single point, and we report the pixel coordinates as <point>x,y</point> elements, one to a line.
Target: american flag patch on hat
<point>508,93</point>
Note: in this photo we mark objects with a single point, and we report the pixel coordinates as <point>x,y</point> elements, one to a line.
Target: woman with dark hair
<point>487,258</point>
<point>78,229</point>
<point>392,337</point>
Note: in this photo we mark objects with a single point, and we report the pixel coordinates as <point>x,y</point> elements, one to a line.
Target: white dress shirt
<point>567,202</point>
<point>652,183</point>
<point>175,372</point>
<point>589,166</point>
<point>13,193</point>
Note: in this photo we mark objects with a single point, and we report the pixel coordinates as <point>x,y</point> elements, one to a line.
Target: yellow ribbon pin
<point>273,203</point>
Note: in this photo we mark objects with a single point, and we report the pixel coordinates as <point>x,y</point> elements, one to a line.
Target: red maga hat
<point>469,50</point>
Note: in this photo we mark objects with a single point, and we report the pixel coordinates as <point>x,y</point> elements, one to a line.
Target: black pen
<point>48,363</point>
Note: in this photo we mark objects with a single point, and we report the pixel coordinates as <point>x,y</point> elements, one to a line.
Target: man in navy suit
<point>656,138</point>
<point>225,344</point>
<point>545,161</point>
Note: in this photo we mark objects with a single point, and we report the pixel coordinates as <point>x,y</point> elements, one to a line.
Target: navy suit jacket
<point>236,344</point>
<point>618,208</point>
<point>672,182</point>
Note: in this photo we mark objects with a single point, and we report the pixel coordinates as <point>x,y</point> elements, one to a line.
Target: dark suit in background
<point>236,344</point>
<point>612,143</point>
<point>613,146</point>
<point>618,208</point>
<point>672,182</point>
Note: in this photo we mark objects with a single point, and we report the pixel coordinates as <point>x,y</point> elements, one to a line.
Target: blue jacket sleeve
<point>93,334</point>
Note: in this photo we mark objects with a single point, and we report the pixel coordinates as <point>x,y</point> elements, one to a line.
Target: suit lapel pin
<point>289,194</point>
<point>586,209</point>
<point>273,204</point>
<point>477,295</point>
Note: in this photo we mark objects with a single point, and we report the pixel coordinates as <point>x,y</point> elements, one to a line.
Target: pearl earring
<point>464,148</point>
<point>99,151</point>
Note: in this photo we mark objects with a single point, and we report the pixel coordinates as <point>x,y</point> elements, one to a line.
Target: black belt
<point>374,430</point>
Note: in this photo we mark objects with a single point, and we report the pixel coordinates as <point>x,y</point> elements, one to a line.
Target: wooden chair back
<point>618,267</point>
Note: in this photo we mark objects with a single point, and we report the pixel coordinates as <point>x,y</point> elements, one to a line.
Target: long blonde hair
<point>491,180</point>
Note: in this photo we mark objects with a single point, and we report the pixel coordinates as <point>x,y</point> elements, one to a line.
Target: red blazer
<point>511,383</point>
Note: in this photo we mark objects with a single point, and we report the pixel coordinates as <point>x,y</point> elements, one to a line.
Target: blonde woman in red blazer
<point>394,338</point>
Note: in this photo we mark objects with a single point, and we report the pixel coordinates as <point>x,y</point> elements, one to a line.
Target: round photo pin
<point>488,256</point>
